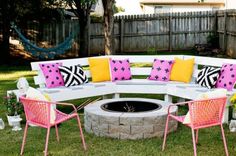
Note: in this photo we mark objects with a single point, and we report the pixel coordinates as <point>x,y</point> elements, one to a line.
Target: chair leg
<point>81,133</point>
<point>224,140</point>
<point>165,133</point>
<point>24,138</point>
<point>197,136</point>
<point>194,143</point>
<point>46,144</point>
<point>57,134</point>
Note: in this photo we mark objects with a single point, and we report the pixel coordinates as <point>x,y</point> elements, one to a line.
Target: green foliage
<point>83,4</point>
<point>82,9</point>
<point>13,106</point>
<point>118,9</point>
<point>233,101</point>
<point>151,51</point>
<point>96,18</point>
<point>213,40</point>
<point>32,10</point>
<point>86,2</point>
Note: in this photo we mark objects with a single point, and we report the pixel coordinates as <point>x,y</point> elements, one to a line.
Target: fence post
<point>89,34</point>
<point>225,32</point>
<point>121,35</point>
<point>216,23</point>
<point>170,32</point>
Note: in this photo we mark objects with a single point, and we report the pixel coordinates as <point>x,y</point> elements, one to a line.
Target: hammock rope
<point>44,52</point>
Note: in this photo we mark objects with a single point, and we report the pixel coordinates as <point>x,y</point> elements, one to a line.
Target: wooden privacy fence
<point>140,33</point>
<point>226,28</point>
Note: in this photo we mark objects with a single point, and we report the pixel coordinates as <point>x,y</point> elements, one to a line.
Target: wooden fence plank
<point>139,33</point>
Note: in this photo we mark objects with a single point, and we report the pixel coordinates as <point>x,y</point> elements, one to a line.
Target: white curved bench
<point>136,85</point>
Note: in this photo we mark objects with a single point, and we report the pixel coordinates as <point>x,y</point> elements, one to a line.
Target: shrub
<point>13,106</point>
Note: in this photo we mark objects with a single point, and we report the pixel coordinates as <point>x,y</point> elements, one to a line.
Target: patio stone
<point>103,128</point>
<point>141,129</point>
<point>131,121</point>
<point>95,129</point>
<point>94,118</point>
<point>119,129</point>
<point>110,135</point>
<point>152,120</point>
<point>109,120</point>
<point>88,127</point>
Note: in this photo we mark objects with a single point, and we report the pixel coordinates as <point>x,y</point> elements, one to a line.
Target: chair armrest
<point>67,104</point>
<point>176,105</point>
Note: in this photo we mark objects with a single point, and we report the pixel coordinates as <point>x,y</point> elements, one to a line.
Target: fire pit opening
<point>130,106</point>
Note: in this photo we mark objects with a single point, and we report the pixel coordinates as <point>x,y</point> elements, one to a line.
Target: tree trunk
<point>108,25</point>
<point>5,56</point>
<point>5,45</point>
<point>83,37</point>
<point>83,12</point>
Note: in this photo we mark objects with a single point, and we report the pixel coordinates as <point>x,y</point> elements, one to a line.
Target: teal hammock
<point>43,53</point>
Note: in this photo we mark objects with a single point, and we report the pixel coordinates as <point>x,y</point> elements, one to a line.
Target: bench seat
<point>81,91</point>
<point>136,85</point>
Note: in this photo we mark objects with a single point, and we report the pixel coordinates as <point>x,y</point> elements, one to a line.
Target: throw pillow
<point>207,77</point>
<point>99,68</point>
<point>227,77</point>
<point>161,70</point>
<point>52,74</point>
<point>35,94</point>
<point>120,70</point>
<point>182,70</point>
<point>208,95</point>
<point>73,75</point>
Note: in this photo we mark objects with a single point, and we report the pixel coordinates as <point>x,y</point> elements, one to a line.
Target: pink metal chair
<point>39,112</point>
<point>203,114</point>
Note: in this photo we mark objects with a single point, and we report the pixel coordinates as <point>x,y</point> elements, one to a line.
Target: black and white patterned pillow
<point>207,77</point>
<point>73,75</point>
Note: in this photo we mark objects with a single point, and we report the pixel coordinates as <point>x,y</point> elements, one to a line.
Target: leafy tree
<point>108,6</point>
<point>9,10</point>
<point>20,10</point>
<point>118,9</point>
<point>82,9</point>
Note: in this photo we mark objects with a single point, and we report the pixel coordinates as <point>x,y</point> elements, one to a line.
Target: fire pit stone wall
<point>127,125</point>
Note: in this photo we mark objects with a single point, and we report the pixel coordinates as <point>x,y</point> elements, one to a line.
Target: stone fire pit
<point>145,118</point>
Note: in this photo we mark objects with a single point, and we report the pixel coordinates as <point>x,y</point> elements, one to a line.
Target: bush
<point>13,106</point>
<point>213,40</point>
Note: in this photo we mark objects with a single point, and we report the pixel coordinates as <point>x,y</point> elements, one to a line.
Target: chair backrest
<point>36,111</point>
<point>205,113</point>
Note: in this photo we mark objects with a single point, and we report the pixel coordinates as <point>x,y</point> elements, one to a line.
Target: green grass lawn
<point>179,143</point>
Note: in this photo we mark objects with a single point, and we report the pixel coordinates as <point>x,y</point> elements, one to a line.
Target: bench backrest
<point>208,61</point>
<point>134,59</point>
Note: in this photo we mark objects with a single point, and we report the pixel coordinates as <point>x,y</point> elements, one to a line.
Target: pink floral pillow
<point>227,77</point>
<point>161,70</point>
<point>52,74</point>
<point>120,70</point>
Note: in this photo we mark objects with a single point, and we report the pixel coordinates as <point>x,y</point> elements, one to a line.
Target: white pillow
<point>207,95</point>
<point>33,93</point>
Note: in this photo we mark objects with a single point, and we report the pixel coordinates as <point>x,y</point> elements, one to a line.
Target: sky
<point>231,4</point>
<point>130,6</point>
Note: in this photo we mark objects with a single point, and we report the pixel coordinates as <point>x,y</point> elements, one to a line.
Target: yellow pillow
<point>182,70</point>
<point>99,68</point>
